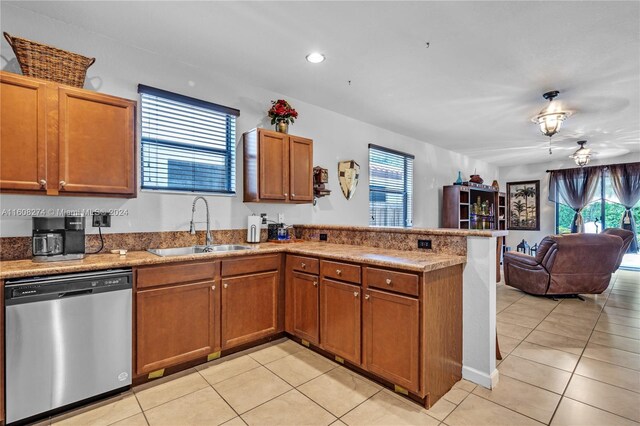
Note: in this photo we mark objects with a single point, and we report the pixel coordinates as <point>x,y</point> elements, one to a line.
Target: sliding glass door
<point>605,211</point>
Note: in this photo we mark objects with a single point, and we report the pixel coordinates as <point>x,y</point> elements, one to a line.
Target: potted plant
<point>282,114</point>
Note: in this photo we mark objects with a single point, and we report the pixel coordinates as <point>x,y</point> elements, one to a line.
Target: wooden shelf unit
<point>456,207</point>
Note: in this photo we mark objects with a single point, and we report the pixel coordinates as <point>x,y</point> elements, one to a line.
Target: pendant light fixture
<point>582,155</point>
<point>551,117</point>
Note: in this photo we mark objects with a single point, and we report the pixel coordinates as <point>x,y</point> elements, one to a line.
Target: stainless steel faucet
<point>192,228</point>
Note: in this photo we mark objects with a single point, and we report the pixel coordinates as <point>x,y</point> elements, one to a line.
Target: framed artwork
<point>523,205</point>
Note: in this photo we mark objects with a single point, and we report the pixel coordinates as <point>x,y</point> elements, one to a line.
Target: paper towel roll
<point>254,224</point>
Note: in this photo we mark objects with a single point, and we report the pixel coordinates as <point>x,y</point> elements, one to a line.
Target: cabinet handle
<point>388,281</point>
<point>315,283</point>
<point>355,294</point>
<point>338,271</point>
<point>62,184</point>
<point>213,287</point>
<point>225,285</point>
<point>303,265</point>
<point>366,296</point>
<point>43,183</point>
<point>293,195</point>
<point>285,194</point>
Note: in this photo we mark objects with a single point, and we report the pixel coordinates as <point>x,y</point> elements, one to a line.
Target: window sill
<point>204,194</point>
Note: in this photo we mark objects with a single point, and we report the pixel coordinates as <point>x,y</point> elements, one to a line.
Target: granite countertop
<point>433,231</point>
<point>409,260</point>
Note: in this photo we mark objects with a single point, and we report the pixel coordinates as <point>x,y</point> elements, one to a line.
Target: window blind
<point>187,144</point>
<point>390,187</point>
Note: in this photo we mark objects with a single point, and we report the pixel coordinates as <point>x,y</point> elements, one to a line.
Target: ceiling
<point>473,90</point>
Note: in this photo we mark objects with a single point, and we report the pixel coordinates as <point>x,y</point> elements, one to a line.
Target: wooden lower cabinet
<point>404,327</point>
<point>175,324</point>
<point>340,319</point>
<point>391,338</point>
<point>249,308</point>
<point>304,306</point>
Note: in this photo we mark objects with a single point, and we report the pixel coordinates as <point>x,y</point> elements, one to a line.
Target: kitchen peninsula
<point>384,274</point>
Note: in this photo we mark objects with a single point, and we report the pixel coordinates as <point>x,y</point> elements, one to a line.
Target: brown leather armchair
<point>627,237</point>
<point>565,265</point>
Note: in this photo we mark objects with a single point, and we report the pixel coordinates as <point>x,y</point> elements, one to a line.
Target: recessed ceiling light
<point>315,57</point>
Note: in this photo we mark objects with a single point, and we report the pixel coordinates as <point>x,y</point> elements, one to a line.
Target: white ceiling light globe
<point>315,57</point>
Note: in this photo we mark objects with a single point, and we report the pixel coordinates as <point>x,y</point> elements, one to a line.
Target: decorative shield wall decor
<point>348,174</point>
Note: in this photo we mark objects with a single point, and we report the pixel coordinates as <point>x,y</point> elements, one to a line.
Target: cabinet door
<point>274,165</point>
<point>96,143</point>
<point>391,339</point>
<point>249,308</point>
<point>301,168</point>
<point>305,305</point>
<point>23,134</point>
<point>174,325</point>
<point>340,319</point>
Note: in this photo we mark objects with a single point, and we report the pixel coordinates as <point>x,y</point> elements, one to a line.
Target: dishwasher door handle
<point>75,293</point>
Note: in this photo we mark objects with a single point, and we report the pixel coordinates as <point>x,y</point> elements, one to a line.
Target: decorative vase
<point>496,186</point>
<point>282,127</point>
<point>476,179</point>
<point>459,180</point>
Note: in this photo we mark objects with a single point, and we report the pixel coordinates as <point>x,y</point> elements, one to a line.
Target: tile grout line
<point>222,397</point>
<point>144,414</point>
<point>341,417</point>
<point>172,399</point>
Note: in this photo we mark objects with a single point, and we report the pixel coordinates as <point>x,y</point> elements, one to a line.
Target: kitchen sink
<point>182,251</point>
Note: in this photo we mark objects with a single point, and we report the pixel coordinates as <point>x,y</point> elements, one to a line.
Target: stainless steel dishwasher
<point>68,338</point>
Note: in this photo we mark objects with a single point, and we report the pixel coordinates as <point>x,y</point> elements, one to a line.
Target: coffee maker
<point>58,238</point>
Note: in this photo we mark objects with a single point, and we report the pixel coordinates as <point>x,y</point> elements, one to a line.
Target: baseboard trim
<point>481,378</point>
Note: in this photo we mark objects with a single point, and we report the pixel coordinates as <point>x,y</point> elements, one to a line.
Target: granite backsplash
<point>14,248</point>
<point>440,244</point>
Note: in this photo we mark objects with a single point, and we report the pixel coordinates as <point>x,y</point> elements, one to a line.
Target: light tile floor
<point>565,363</point>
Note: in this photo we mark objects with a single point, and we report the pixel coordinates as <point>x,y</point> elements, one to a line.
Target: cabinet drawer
<point>393,281</point>
<point>341,271</point>
<point>154,276</point>
<point>250,265</point>
<point>304,264</point>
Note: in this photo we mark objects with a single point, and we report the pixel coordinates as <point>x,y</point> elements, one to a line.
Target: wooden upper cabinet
<point>300,162</point>
<point>23,138</point>
<point>65,140</point>
<point>96,149</point>
<point>391,338</point>
<point>277,167</point>
<point>340,319</point>
<point>274,162</point>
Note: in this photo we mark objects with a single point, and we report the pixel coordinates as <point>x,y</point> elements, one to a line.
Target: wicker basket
<point>50,63</point>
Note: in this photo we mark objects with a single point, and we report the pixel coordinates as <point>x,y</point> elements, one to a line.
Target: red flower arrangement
<point>282,111</point>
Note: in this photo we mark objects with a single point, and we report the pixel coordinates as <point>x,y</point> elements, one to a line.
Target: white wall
<point>118,70</point>
<point>547,208</point>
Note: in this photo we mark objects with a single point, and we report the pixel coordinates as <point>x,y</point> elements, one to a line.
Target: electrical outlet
<point>280,217</point>
<point>101,220</point>
<point>264,218</point>
<point>424,244</point>
<point>323,237</point>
